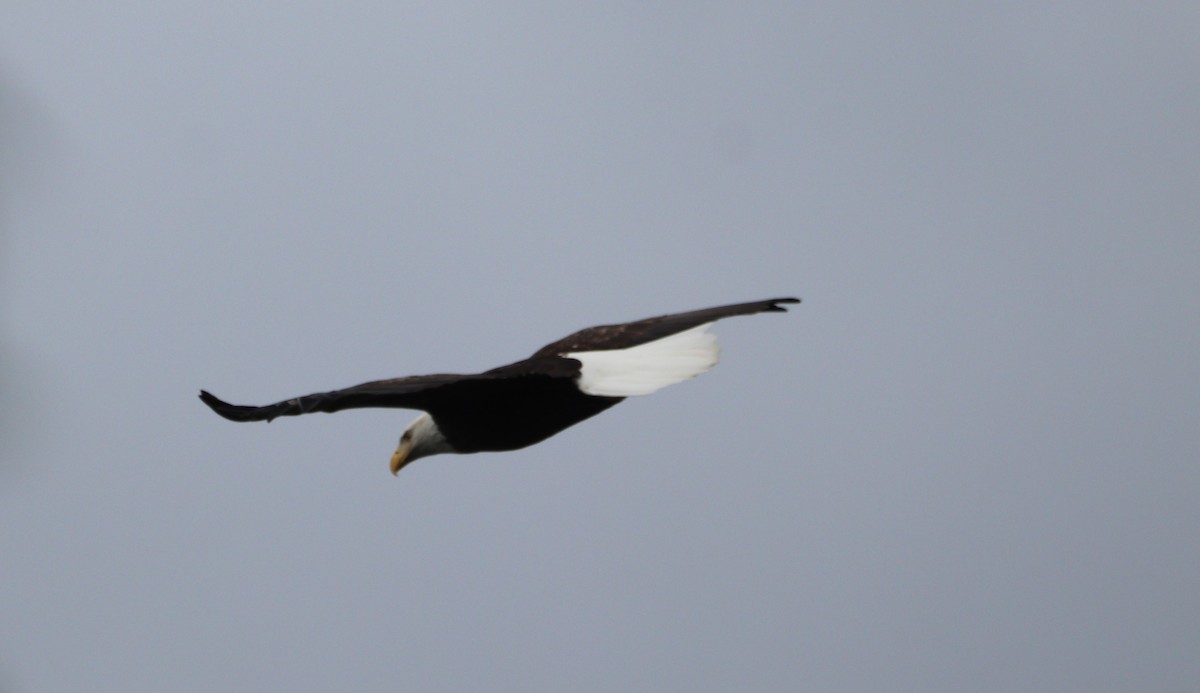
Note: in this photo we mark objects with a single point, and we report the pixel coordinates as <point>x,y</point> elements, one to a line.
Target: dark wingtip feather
<point>216,404</point>
<point>780,309</point>
<point>229,411</point>
<point>211,400</point>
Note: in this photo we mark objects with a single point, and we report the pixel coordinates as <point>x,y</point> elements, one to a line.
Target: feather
<point>646,368</point>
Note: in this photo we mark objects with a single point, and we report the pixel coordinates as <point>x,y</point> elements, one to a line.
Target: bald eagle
<point>526,402</point>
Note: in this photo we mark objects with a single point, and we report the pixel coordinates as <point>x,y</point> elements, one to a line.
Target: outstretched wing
<point>414,392</point>
<point>631,334</point>
<point>425,392</point>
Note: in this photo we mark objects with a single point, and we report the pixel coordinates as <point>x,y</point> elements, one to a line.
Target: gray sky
<point>967,462</point>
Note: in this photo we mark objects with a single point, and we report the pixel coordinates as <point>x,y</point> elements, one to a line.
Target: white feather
<point>648,367</point>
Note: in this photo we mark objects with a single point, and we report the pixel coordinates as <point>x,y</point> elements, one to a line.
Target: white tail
<point>648,367</point>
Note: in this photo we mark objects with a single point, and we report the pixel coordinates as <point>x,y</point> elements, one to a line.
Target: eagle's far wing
<point>631,334</point>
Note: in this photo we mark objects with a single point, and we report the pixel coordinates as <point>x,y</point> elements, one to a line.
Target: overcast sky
<point>968,461</point>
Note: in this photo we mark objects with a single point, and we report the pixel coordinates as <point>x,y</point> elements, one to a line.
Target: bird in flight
<point>526,402</point>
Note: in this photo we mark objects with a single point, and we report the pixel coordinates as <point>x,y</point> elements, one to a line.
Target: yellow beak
<point>400,457</point>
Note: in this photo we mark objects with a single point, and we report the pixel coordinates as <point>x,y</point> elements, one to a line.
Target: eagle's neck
<point>427,438</point>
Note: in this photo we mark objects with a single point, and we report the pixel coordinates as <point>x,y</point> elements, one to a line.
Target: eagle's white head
<point>421,439</point>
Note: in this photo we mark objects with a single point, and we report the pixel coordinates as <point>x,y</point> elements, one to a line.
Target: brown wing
<point>631,334</point>
<point>404,393</point>
<point>414,392</point>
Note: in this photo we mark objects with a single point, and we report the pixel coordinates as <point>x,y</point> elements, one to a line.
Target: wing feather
<point>414,392</point>
<point>631,334</point>
<point>422,392</point>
